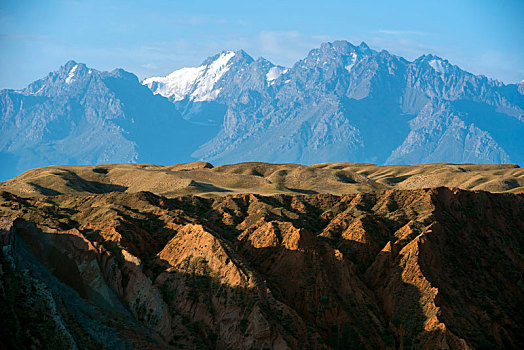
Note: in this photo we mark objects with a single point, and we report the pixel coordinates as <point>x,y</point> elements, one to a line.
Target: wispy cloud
<point>14,42</point>
<point>495,65</point>
<point>149,66</point>
<point>24,37</point>
<point>400,32</point>
<point>409,44</point>
<point>192,20</point>
<point>288,43</point>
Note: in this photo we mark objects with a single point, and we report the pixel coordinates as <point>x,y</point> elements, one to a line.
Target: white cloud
<point>149,66</point>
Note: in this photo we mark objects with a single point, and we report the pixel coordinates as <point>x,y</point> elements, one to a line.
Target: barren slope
<point>201,178</point>
<point>396,269</point>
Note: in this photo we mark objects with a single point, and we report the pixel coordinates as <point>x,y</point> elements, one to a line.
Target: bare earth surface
<point>201,178</point>
<point>89,260</point>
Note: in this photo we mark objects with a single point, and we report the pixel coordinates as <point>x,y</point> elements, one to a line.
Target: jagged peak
<point>264,63</point>
<point>242,54</point>
<point>195,83</point>
<point>122,74</point>
<point>339,52</point>
<point>263,60</point>
<point>388,56</point>
<point>363,46</point>
<point>430,61</point>
<point>68,73</point>
<point>224,55</point>
<point>342,47</point>
<point>241,58</point>
<point>384,53</point>
<point>364,49</point>
<point>429,57</point>
<point>71,64</point>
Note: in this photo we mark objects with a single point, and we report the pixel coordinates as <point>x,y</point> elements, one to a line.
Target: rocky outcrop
<point>433,268</point>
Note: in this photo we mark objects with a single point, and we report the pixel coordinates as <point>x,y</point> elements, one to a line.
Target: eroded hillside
<point>394,269</point>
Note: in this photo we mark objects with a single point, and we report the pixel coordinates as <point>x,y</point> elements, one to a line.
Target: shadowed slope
<point>434,268</point>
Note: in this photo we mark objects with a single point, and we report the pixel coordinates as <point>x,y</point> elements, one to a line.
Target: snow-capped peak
<point>197,83</point>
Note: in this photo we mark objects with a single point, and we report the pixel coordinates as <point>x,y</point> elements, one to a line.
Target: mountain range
<point>340,103</point>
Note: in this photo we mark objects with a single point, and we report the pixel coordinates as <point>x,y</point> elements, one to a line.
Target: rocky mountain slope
<point>201,178</point>
<point>345,102</point>
<point>397,269</point>
<point>340,103</point>
<point>79,115</point>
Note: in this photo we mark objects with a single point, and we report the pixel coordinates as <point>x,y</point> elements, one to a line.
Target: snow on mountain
<point>78,115</point>
<point>274,73</point>
<point>438,65</point>
<point>71,76</point>
<point>350,66</point>
<point>196,83</point>
<point>387,110</point>
<point>340,103</point>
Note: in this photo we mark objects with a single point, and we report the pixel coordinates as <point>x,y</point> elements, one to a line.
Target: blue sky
<point>156,37</point>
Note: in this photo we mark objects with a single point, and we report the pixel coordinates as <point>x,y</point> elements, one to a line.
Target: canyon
<point>391,268</point>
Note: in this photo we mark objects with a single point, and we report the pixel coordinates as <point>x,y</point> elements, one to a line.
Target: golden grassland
<point>201,178</point>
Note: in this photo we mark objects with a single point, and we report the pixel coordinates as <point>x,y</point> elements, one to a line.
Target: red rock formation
<point>436,268</point>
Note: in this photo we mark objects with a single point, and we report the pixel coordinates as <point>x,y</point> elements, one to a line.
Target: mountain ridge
<point>340,103</point>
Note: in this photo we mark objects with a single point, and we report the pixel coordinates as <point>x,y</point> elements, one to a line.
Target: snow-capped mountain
<point>79,115</point>
<point>195,83</point>
<point>340,103</point>
<point>346,102</point>
<point>205,82</point>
